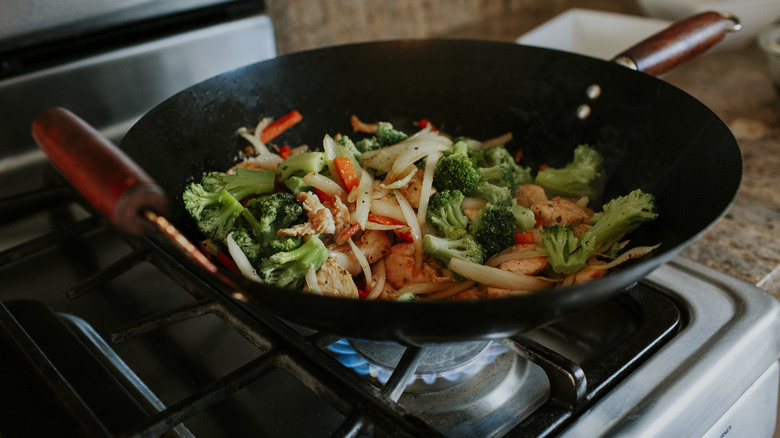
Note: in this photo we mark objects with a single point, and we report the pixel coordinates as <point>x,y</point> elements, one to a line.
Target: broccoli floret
<point>444,210</point>
<point>300,164</point>
<point>285,243</point>
<point>493,194</point>
<point>621,216</point>
<point>386,135</point>
<point>248,244</point>
<point>500,156</point>
<point>455,171</point>
<point>567,254</point>
<point>368,144</point>
<point>245,182</point>
<point>265,216</point>
<point>350,146</point>
<point>289,268</point>
<point>493,228</point>
<point>457,244</point>
<point>524,217</point>
<point>501,174</point>
<point>583,176</point>
<point>215,213</point>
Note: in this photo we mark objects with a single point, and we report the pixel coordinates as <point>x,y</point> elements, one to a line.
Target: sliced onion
<point>425,288</point>
<point>262,125</point>
<point>246,268</point>
<point>427,185</point>
<point>379,281</point>
<point>385,207</point>
<point>502,139</point>
<point>382,227</point>
<point>454,290</point>
<point>327,185</point>
<point>258,145</point>
<point>363,199</point>
<point>414,227</point>
<point>497,277</point>
<point>361,258</point>
<point>311,280</point>
<point>633,253</point>
<point>583,202</point>
<point>347,262</point>
<point>514,255</point>
<point>402,182</point>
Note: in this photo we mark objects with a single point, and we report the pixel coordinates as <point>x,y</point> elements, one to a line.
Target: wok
<point>653,136</point>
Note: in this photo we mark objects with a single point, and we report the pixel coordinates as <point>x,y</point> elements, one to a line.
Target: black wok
<point>654,137</point>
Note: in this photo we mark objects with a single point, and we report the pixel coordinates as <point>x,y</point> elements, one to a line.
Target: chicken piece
<point>399,264</point>
<point>497,292</point>
<point>320,218</point>
<point>341,217</point>
<point>528,195</point>
<point>581,228</point>
<point>374,244</point>
<point>412,190</point>
<point>560,211</point>
<point>528,265</point>
<point>333,280</point>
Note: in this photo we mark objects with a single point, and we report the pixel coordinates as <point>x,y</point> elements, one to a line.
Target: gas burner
<point>441,366</point>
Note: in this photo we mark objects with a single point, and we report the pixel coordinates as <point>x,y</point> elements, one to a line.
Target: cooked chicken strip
<point>334,280</point>
<point>320,218</point>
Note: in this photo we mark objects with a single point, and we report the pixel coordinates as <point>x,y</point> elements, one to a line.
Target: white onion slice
<point>363,199</point>
<point>497,277</point>
<point>425,288</point>
<point>361,258</point>
<point>502,139</point>
<point>382,227</point>
<point>454,290</point>
<point>379,281</point>
<point>347,262</point>
<point>311,281</point>
<point>427,185</point>
<point>514,255</point>
<point>246,268</point>
<point>388,183</point>
<point>327,185</point>
<point>411,219</point>
<point>385,207</point>
<point>633,253</point>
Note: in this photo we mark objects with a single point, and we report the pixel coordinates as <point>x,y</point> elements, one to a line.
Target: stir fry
<point>392,216</point>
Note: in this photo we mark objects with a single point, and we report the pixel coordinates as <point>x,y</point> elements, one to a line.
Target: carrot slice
<point>524,238</point>
<point>346,173</point>
<point>349,232</point>
<point>280,125</point>
<point>285,151</point>
<point>384,220</point>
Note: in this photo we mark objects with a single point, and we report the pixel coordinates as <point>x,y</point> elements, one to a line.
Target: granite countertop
<point>735,84</point>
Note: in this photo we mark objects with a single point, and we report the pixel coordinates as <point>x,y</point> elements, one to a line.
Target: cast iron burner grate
<point>368,407</point>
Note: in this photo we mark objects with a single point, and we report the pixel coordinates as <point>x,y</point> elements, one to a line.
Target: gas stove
<point>105,334</point>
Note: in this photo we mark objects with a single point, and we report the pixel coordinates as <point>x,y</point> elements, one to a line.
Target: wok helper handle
<point>109,180</point>
<point>679,42</point>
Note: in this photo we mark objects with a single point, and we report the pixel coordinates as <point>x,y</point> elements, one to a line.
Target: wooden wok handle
<point>114,184</point>
<point>678,43</point>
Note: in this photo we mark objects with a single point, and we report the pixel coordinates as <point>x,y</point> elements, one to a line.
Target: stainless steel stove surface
<point>106,335</point>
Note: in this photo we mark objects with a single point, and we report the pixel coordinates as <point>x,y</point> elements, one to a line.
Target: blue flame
<point>350,358</point>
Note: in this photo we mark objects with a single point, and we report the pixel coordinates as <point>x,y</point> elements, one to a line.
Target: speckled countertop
<point>735,84</point>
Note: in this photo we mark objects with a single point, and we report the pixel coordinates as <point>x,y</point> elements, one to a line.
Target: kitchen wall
<point>307,24</point>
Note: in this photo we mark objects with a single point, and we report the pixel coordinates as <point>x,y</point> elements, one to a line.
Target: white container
<point>593,33</point>
<point>754,15</point>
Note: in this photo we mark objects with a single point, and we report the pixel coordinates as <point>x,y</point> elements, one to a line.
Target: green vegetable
<point>524,217</point>
<point>499,195</point>
<point>407,297</point>
<point>299,165</point>
<point>583,176</point>
<point>493,228</point>
<point>444,211</point>
<point>455,171</point>
<point>565,253</point>
<point>500,156</point>
<point>245,182</point>
<point>458,244</point>
<point>265,216</point>
<point>250,247</point>
<point>621,216</point>
<point>288,269</point>
<point>214,212</point>
<point>386,135</point>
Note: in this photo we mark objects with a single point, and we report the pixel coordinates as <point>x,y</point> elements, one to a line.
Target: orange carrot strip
<point>285,151</point>
<point>524,238</point>
<point>280,125</point>
<point>384,220</point>
<point>346,173</point>
<point>349,232</point>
